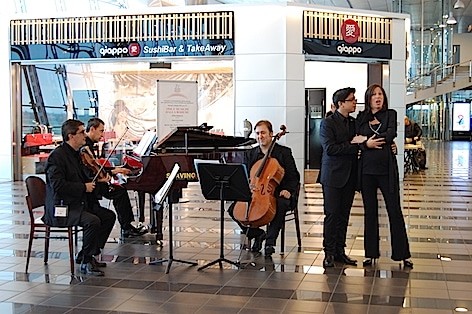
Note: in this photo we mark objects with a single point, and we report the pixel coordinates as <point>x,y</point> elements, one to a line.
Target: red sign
<point>350,31</point>
<point>134,49</point>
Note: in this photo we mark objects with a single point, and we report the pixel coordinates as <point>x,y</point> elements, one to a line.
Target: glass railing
<point>440,74</point>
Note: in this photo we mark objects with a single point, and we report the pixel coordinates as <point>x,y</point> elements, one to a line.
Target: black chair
<point>35,200</point>
<point>290,215</point>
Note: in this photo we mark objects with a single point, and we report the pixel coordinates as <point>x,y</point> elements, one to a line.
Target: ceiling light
<point>451,20</point>
<point>459,4</point>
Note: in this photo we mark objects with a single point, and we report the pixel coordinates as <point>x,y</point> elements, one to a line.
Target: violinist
<point>70,201</point>
<point>283,193</point>
<point>118,194</point>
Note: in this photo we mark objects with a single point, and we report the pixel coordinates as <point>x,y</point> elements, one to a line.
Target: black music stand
<point>224,182</point>
<point>159,198</point>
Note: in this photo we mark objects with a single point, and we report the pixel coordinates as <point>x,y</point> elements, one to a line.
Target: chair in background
<point>292,214</point>
<point>35,200</point>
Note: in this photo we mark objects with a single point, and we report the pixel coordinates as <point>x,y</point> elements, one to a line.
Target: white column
<point>269,72</point>
<point>6,160</point>
<point>397,78</point>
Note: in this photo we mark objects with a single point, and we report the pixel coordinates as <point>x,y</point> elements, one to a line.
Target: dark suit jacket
<point>339,159</point>
<point>64,185</point>
<point>284,156</point>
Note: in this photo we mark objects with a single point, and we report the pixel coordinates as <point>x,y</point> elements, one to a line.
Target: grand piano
<point>182,145</point>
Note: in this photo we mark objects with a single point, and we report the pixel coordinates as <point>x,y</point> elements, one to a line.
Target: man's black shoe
<point>343,258</point>
<point>328,261</point>
<point>131,231</point>
<point>96,263</point>
<point>257,245</point>
<point>89,269</point>
<point>269,250</point>
<point>80,257</point>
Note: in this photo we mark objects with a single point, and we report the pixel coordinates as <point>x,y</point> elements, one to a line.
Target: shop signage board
<point>341,35</point>
<point>118,50</point>
<point>340,48</point>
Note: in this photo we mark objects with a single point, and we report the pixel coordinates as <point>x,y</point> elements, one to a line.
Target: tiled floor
<point>438,214</point>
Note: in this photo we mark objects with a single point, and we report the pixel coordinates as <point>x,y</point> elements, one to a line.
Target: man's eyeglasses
<point>80,132</point>
<point>354,100</point>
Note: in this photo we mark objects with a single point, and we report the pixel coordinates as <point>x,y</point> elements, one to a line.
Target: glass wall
<point>123,94</point>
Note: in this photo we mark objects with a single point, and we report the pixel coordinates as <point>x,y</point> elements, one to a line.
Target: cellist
<point>287,187</point>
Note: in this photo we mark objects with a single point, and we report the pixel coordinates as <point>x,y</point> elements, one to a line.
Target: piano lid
<point>189,137</point>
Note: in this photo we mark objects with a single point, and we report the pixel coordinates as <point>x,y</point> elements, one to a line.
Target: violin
<point>98,169</point>
<point>90,162</point>
<point>265,176</point>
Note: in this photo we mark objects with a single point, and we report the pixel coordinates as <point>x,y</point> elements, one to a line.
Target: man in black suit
<point>338,174</point>
<point>118,194</point>
<point>69,197</point>
<point>284,191</point>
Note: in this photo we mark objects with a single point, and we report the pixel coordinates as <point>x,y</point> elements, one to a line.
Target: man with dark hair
<point>338,174</point>
<point>119,195</point>
<point>413,131</point>
<point>69,197</point>
<point>413,134</point>
<point>283,193</point>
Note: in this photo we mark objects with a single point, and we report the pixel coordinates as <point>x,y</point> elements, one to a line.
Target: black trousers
<point>273,229</point>
<point>337,208</point>
<point>122,204</point>
<point>97,223</point>
<point>398,237</point>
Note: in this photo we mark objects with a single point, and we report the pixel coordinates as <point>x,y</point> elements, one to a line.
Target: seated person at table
<point>412,136</point>
<point>412,131</point>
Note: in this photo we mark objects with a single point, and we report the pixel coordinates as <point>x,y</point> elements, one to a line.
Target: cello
<point>265,175</point>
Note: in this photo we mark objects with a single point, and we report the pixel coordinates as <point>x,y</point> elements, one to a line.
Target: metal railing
<point>440,74</point>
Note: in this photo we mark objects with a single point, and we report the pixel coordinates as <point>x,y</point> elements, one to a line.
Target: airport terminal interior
<point>168,274</point>
<point>436,206</point>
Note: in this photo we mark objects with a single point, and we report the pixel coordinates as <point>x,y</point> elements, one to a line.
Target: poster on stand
<point>177,105</point>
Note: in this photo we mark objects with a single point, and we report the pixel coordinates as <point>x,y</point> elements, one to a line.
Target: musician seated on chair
<point>118,194</point>
<point>70,201</point>
<point>283,193</point>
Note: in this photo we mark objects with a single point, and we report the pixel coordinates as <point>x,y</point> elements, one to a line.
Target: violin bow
<point>109,155</point>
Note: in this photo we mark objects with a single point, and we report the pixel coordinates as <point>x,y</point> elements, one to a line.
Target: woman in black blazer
<point>378,170</point>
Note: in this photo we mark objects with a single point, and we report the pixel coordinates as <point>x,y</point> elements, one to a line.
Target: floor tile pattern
<point>438,213</point>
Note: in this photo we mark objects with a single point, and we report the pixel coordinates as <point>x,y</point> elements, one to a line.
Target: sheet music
<point>148,139</point>
<point>196,163</point>
<point>162,193</point>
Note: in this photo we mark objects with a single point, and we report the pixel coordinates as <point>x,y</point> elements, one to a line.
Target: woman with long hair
<point>378,170</point>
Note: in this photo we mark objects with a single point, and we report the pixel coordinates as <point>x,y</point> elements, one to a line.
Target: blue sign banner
<point>135,49</point>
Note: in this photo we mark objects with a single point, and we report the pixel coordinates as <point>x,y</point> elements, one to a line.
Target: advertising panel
<point>461,117</point>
